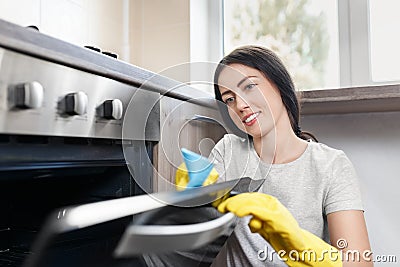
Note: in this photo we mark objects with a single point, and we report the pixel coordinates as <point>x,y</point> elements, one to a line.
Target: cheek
<point>276,109</point>
<point>235,118</point>
<point>272,104</point>
<point>270,117</point>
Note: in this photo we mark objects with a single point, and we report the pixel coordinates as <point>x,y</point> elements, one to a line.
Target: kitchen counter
<point>31,42</point>
<point>383,98</point>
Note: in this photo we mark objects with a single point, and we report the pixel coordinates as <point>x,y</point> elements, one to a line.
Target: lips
<point>250,119</point>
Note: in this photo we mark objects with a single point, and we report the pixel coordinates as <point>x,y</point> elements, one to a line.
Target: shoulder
<point>327,160</point>
<point>230,140</point>
<point>232,144</point>
<point>334,163</point>
<point>324,149</point>
<point>326,154</point>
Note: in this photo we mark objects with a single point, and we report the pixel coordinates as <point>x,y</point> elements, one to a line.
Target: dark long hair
<point>272,67</point>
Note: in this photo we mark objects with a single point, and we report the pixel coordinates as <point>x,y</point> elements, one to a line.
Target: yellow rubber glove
<point>296,246</point>
<point>182,177</point>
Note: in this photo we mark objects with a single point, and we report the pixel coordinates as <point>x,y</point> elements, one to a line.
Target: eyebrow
<point>226,92</point>
<point>239,83</point>
<point>244,79</point>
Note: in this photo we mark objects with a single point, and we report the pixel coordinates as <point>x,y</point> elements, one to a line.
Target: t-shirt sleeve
<point>343,192</point>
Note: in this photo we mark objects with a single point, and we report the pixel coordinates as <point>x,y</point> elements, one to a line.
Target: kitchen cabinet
<point>183,125</point>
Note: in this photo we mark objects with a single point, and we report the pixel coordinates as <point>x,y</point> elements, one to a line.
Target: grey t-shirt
<point>321,181</point>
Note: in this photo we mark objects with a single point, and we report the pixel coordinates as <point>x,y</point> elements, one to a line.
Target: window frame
<point>354,43</point>
<point>354,47</point>
<point>357,91</point>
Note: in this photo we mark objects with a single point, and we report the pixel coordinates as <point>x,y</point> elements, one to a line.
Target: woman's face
<point>254,103</point>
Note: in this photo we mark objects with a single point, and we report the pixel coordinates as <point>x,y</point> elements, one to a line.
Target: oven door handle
<point>139,239</point>
<point>202,118</point>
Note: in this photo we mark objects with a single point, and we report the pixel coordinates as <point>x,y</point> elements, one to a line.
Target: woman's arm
<point>348,232</point>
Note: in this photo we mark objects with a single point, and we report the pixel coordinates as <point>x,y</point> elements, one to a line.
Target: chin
<point>253,134</point>
<point>262,133</point>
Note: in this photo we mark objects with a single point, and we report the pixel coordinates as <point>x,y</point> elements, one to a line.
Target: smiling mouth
<point>251,119</point>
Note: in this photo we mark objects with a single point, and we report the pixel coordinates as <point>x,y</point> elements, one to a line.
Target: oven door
<point>162,230</point>
<point>40,174</point>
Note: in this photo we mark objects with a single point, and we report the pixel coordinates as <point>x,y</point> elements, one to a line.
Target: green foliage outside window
<point>288,27</point>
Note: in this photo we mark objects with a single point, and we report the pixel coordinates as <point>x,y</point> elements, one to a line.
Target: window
<point>385,53</point>
<point>303,33</point>
<point>324,44</point>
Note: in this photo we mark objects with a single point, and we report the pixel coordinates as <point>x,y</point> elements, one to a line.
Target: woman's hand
<point>195,171</point>
<point>296,246</point>
<point>182,178</point>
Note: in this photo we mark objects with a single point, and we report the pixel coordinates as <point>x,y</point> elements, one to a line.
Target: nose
<point>241,104</point>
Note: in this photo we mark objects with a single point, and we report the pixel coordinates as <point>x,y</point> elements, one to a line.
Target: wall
<point>156,34</point>
<point>372,142</point>
<point>160,33</point>
<point>82,22</point>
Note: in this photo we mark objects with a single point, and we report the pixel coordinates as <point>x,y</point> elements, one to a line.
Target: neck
<point>280,145</point>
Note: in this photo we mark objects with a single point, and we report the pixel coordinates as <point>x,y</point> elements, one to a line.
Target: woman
<point>316,183</point>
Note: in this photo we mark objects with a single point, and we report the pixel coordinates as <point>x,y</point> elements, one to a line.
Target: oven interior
<point>39,174</point>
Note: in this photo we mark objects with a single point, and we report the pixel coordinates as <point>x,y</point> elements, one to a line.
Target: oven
<point>76,182</point>
<point>61,145</point>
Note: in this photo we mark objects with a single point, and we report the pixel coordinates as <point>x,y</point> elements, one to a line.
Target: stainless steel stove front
<point>38,97</point>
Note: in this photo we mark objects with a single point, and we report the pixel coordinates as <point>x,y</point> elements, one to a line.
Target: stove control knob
<point>112,109</point>
<point>28,95</point>
<point>76,103</point>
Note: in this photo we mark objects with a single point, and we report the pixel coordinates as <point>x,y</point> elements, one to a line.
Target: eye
<point>250,86</point>
<point>229,100</point>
